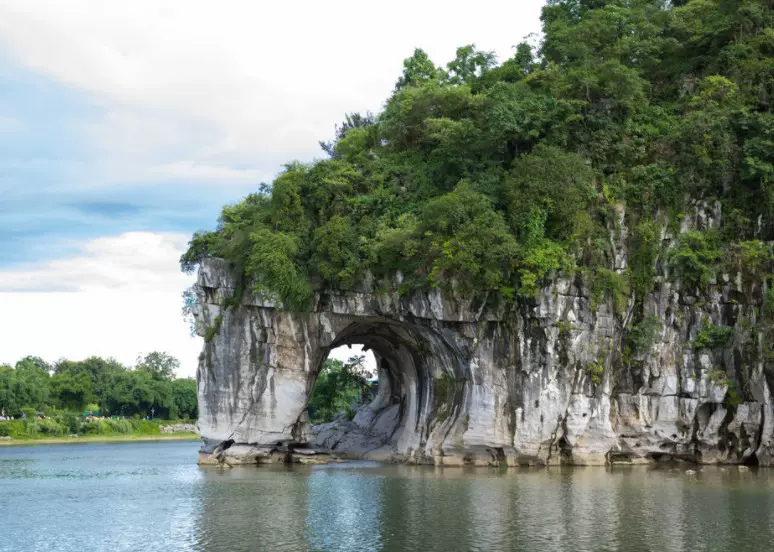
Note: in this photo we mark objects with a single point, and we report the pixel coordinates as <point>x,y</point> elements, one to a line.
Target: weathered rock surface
<point>229,454</point>
<point>178,428</point>
<point>367,435</point>
<point>477,382</point>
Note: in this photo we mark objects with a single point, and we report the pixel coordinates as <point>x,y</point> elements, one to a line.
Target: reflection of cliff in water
<point>402,508</point>
<point>252,510</point>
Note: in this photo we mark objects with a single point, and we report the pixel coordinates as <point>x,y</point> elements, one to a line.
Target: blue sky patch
<point>58,188</point>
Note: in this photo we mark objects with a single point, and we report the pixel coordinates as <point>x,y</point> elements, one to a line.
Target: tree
<point>72,390</point>
<point>34,362</point>
<point>467,241</point>
<point>338,388</point>
<point>136,392</point>
<point>351,121</point>
<point>184,399</point>
<point>32,374</point>
<point>98,384</point>
<point>417,70</point>
<point>161,366</point>
<point>12,394</point>
<point>556,183</point>
<point>469,65</point>
<point>97,369</point>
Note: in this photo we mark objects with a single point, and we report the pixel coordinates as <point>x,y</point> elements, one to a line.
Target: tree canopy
<point>339,387</point>
<point>493,177</point>
<point>114,389</point>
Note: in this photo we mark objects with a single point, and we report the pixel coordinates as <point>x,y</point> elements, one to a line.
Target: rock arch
<point>424,383</point>
<point>258,369</point>
<point>473,382</point>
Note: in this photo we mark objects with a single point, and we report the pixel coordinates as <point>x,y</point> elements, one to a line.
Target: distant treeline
<point>97,384</point>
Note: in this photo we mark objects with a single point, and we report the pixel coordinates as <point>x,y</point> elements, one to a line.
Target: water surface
<point>152,496</point>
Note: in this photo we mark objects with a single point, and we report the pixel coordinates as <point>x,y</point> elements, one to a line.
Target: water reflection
<point>395,508</point>
<point>151,497</point>
<point>488,512</point>
<point>249,509</point>
<point>343,513</point>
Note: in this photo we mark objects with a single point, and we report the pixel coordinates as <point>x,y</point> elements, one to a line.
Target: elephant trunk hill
<point>566,257</point>
<point>477,382</point>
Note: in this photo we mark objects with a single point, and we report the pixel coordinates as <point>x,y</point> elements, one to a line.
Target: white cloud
<point>133,261</point>
<point>120,297</point>
<point>189,171</point>
<point>239,78</point>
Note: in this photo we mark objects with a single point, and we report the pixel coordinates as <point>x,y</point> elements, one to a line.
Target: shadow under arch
<point>422,397</point>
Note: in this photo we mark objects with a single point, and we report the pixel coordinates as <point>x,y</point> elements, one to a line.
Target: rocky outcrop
<point>368,434</point>
<point>228,454</point>
<point>178,428</point>
<point>480,382</point>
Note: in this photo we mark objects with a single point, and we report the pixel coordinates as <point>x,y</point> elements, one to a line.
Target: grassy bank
<point>135,437</point>
<point>68,428</point>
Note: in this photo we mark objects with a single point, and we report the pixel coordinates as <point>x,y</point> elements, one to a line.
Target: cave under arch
<point>423,389</point>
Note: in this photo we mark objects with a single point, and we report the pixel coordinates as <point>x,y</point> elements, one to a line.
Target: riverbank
<point>99,439</point>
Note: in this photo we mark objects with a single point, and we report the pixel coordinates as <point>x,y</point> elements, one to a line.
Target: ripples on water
<point>151,496</point>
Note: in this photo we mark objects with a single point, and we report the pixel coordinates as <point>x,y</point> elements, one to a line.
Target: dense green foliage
<point>645,333</point>
<point>493,178</point>
<point>713,337</point>
<point>98,384</point>
<point>340,386</point>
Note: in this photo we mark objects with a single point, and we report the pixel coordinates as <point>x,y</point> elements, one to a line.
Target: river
<point>152,496</point>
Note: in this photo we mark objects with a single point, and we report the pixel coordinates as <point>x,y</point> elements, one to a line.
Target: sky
<point>126,126</point>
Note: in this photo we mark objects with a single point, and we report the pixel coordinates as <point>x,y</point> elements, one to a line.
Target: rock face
<point>479,382</point>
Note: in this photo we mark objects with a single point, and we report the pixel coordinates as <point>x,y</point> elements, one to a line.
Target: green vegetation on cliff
<point>494,177</point>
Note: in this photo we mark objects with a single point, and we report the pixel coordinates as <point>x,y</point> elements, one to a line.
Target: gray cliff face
<point>476,382</point>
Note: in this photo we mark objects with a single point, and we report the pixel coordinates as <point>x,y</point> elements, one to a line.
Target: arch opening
<point>419,401</point>
<point>347,380</point>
